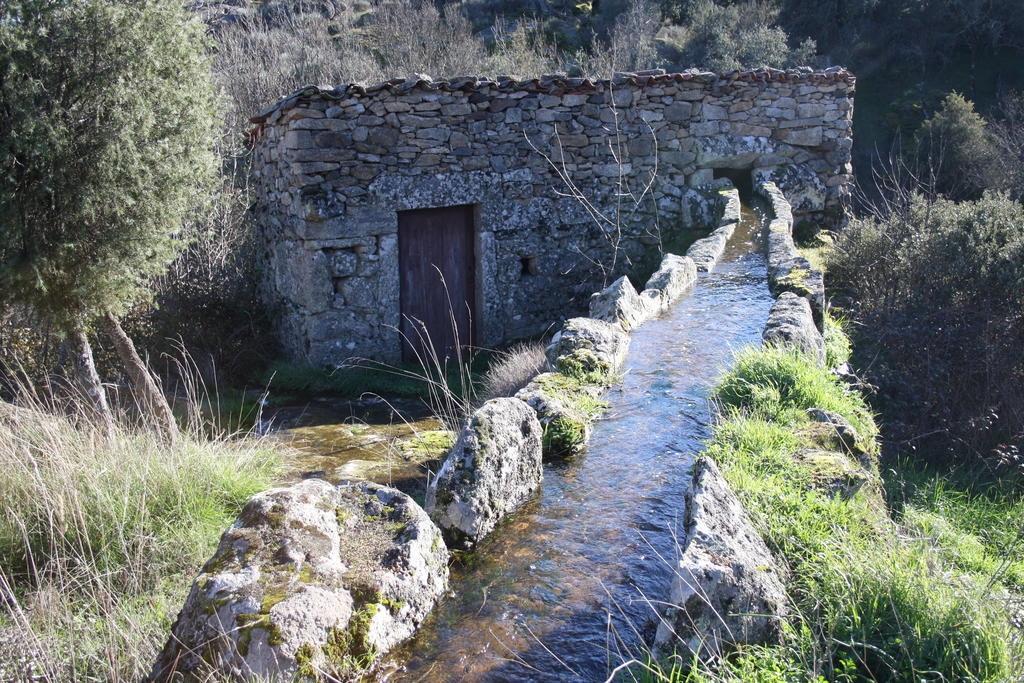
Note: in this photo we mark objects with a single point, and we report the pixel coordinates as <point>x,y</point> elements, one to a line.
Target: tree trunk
<point>150,399</point>
<point>88,376</point>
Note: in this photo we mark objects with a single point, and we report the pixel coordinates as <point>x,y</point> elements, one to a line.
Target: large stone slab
<point>791,324</point>
<point>313,580</point>
<point>799,183</point>
<point>787,270</point>
<point>619,303</point>
<point>668,283</point>
<point>493,468</point>
<point>728,588</point>
<point>706,251</point>
<point>588,348</point>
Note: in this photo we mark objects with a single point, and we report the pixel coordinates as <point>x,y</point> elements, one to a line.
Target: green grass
<point>781,384</point>
<point>100,538</point>
<point>872,599</point>
<point>975,521</point>
<point>837,344</point>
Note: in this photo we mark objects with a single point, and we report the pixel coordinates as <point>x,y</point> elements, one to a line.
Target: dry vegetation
<point>101,533</point>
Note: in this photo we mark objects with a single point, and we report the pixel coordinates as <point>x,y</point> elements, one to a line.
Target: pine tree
<point>107,117</point>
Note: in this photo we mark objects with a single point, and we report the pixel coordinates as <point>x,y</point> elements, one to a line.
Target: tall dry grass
<point>511,370</point>
<point>100,535</point>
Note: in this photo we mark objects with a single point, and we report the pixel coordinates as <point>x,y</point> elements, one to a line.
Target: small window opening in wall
<point>529,264</point>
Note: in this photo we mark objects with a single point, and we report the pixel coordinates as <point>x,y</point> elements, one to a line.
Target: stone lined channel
<point>559,592</point>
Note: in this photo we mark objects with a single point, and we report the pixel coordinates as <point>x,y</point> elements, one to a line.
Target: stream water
<point>561,591</point>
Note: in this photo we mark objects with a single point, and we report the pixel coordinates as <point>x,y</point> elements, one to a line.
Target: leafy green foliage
<point>955,148</point>
<point>106,127</point>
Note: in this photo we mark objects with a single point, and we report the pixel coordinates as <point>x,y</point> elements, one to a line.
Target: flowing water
<point>560,591</point>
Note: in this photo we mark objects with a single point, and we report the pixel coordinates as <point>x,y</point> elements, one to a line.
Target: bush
<point>939,290</point>
<point>954,150</point>
<point>735,36</point>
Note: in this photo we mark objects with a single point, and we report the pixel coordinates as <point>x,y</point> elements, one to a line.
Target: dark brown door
<point>437,264</point>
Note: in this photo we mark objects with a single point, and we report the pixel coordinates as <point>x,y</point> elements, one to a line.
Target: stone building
<point>488,209</point>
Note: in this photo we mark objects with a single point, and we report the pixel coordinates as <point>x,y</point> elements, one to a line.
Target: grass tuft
<point>779,382</point>
<point>511,370</point>
<point>837,344</point>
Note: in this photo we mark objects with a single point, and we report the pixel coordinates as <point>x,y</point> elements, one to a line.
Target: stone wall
<point>333,168</point>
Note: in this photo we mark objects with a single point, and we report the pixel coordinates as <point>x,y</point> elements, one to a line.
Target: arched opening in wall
<point>741,178</point>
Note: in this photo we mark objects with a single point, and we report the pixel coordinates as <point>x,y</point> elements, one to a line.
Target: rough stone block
<point>620,304</point>
<point>310,575</point>
<point>728,589</point>
<point>493,468</point>
<point>668,283</point>
<point>588,346</point>
<point>790,324</point>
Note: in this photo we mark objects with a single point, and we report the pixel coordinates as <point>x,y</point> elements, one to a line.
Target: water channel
<point>561,591</point>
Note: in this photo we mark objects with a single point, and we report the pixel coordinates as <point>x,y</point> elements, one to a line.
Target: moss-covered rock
<point>589,350</point>
<point>566,409</point>
<point>833,473</point>
<point>728,589</point>
<point>620,304</point>
<point>493,469</point>
<point>790,324</point>
<point>313,581</point>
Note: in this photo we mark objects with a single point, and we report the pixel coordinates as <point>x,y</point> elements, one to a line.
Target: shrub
<point>956,150</point>
<point>938,291</point>
<point>734,36</point>
<point>629,45</point>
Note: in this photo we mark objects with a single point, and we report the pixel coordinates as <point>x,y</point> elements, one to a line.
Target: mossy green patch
<point>795,281</point>
<point>574,392</point>
<point>430,443</point>
<point>583,365</point>
<point>565,435</point>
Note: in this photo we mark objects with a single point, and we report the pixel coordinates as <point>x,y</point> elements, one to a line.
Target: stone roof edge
<point>550,83</point>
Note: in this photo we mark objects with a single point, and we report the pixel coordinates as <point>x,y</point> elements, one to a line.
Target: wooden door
<point>437,263</point>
